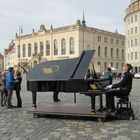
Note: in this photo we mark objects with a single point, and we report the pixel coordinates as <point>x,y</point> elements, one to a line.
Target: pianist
<point>120,89</point>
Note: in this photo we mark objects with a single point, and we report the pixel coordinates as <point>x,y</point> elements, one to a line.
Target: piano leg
<point>34,99</point>
<point>92,103</point>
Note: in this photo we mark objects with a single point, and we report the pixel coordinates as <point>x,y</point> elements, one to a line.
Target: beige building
<point>1,63</point>
<point>10,56</point>
<point>68,42</point>
<point>132,31</point>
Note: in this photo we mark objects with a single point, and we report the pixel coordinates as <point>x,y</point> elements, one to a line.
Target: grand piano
<point>62,76</point>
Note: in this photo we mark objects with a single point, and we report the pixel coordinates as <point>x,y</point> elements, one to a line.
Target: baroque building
<point>68,42</point>
<point>132,32</point>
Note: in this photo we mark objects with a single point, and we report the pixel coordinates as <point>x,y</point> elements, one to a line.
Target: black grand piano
<point>63,76</point>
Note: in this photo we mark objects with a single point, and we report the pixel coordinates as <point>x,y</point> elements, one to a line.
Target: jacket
<point>125,83</point>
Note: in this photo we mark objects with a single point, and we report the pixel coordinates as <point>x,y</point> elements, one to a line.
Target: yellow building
<point>68,42</point>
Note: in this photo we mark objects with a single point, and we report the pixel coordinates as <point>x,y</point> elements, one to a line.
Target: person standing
<point>18,88</point>
<point>3,89</point>
<point>108,75</point>
<point>10,82</point>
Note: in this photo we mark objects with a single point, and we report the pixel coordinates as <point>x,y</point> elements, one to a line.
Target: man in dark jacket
<point>122,88</point>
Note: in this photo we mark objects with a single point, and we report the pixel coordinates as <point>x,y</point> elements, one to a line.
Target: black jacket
<point>126,82</point>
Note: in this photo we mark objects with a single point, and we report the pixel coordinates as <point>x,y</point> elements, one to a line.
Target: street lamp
<point>19,33</point>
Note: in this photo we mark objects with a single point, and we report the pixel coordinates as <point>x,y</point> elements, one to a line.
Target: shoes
<point>9,106</point>
<point>111,110</point>
<point>56,100</point>
<point>19,106</point>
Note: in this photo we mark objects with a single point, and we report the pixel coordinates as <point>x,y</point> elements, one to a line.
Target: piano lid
<point>58,70</point>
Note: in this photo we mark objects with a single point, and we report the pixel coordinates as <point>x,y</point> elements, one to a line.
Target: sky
<point>30,14</point>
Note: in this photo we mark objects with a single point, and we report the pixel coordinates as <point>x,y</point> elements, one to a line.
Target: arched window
<point>111,52</point>
<point>55,47</point>
<point>18,51</point>
<point>24,51</point>
<point>29,50</point>
<point>35,49</point>
<point>105,66</point>
<point>47,48</point>
<point>41,48</point>
<point>71,45</point>
<point>117,53</point>
<point>105,52</point>
<point>99,51</point>
<point>34,63</point>
<point>122,53</point>
<point>63,46</point>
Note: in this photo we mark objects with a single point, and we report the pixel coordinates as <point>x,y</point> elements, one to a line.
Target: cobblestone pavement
<point>17,124</point>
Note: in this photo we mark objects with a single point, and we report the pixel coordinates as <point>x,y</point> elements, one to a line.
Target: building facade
<point>1,63</point>
<point>10,56</point>
<point>132,32</point>
<point>68,42</point>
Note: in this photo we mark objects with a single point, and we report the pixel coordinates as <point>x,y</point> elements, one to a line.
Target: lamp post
<point>20,32</point>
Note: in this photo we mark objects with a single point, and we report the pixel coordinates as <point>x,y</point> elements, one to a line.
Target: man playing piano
<point>122,88</point>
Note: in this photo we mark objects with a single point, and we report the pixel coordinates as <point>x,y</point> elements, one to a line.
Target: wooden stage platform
<point>75,111</point>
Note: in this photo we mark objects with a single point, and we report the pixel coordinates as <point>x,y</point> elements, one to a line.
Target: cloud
<point>107,15</point>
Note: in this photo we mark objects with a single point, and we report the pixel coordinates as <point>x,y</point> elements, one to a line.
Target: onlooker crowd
<point>10,81</point>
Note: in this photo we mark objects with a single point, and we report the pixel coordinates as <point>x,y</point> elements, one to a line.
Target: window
<point>63,46</point>
<point>71,43</point>
<point>111,41</point>
<point>136,30</point>
<point>136,18</point>
<point>131,43</point>
<point>135,55</point>
<point>29,50</point>
<point>117,42</point>
<point>131,55</point>
<point>18,51</point>
<point>117,65</point>
<point>99,63</point>
<point>128,32</point>
<point>128,56</point>
<point>99,51</point>
<point>55,47</point>
<point>117,53</point>
<point>131,19</point>
<point>128,44</point>
<point>105,65</point>
<point>111,64</point>
<point>47,48</point>
<point>123,43</point>
<point>131,30</point>
<point>136,42</point>
<point>35,49</point>
<point>24,51</point>
<point>99,38</point>
<point>122,53</point>
<point>105,51</point>
<point>105,39</point>
<point>111,52</point>
<point>41,48</point>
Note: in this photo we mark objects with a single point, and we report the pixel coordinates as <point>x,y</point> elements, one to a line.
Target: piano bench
<point>123,100</point>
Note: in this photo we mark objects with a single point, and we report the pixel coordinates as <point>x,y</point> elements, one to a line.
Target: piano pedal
<point>93,111</point>
<point>34,106</point>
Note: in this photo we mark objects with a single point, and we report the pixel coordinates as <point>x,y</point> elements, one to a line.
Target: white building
<point>68,42</point>
<point>132,31</point>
